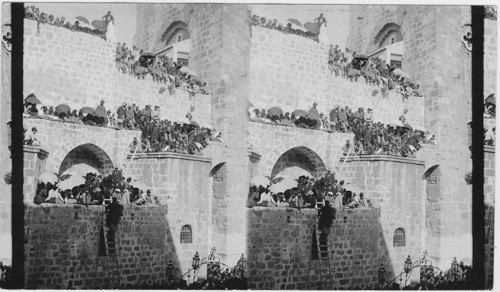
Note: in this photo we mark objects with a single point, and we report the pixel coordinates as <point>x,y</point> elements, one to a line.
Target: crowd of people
<point>398,139</point>
<point>95,189</point>
<point>165,136</point>
<point>308,193</point>
<point>157,135</point>
<point>348,64</point>
<point>273,24</point>
<point>374,70</point>
<point>162,69</point>
<point>33,13</point>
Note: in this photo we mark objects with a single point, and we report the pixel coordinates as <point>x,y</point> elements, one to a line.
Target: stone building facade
<point>425,198</point>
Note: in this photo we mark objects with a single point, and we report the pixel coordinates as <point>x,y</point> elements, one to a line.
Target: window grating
<point>186,234</point>
<point>399,238</point>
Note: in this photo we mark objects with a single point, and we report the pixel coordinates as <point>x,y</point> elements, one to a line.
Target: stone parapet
<point>169,155</point>
<point>386,158</point>
<point>280,249</point>
<point>62,243</point>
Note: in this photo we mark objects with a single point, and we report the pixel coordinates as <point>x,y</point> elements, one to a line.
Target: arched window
<point>186,234</point>
<point>399,238</point>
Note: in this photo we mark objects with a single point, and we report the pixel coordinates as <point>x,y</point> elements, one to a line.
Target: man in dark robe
<point>100,111</point>
<point>326,217</point>
<point>114,213</point>
<point>121,111</point>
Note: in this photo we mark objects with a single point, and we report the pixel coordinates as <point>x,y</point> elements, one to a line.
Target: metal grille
<point>399,238</point>
<point>186,234</point>
<point>182,62</point>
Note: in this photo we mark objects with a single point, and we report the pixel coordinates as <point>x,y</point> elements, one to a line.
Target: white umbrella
<point>48,177</point>
<point>71,182</point>
<point>353,188</point>
<point>283,185</point>
<point>259,180</point>
<point>140,185</point>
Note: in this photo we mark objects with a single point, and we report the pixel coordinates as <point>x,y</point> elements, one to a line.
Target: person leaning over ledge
<point>31,139</point>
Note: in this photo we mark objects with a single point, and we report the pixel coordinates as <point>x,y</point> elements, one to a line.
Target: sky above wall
<point>125,16</point>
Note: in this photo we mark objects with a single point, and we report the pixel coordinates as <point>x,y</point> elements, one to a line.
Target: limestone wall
<point>108,146</point>
<point>395,186</point>
<point>61,66</point>
<point>182,183</point>
<point>432,37</point>
<point>34,160</point>
<point>490,56</point>
<point>280,249</point>
<point>6,162</point>
<point>289,70</point>
<point>62,241</point>
<point>489,201</point>
<point>319,147</point>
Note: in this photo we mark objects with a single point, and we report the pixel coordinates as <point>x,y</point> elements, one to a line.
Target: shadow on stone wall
<point>62,242</point>
<point>281,244</point>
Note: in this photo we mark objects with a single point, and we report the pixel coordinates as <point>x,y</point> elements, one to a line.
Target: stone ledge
<point>33,149</point>
<point>310,211</point>
<point>383,158</point>
<point>76,126</point>
<point>290,129</point>
<point>489,149</point>
<point>31,205</point>
<point>169,155</point>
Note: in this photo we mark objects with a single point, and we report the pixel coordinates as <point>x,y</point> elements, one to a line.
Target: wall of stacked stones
<point>181,182</point>
<point>61,66</point>
<point>62,241</point>
<point>395,186</point>
<point>432,36</point>
<point>290,70</point>
<point>220,44</point>
<point>490,56</point>
<point>34,161</point>
<point>489,202</point>
<point>6,162</point>
<point>271,142</point>
<point>280,249</point>
<point>109,147</point>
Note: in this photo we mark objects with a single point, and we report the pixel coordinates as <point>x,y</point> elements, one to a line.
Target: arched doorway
<point>86,158</point>
<point>176,32</point>
<point>299,161</point>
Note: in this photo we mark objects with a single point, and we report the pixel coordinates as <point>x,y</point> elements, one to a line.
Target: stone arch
<point>430,174</point>
<point>301,157</point>
<point>387,30</point>
<point>175,28</point>
<point>89,154</point>
<point>216,169</point>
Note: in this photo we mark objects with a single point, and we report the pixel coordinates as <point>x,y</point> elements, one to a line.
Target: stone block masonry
<point>394,185</point>
<point>108,146</point>
<point>61,244</point>
<point>489,202</point>
<point>274,141</point>
<point>182,183</point>
<point>280,249</point>
<point>290,70</point>
<point>62,66</point>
